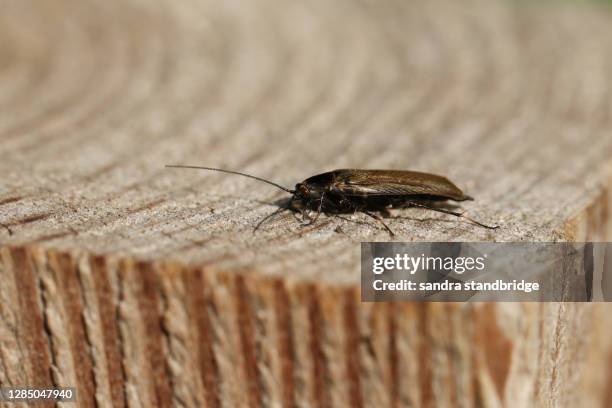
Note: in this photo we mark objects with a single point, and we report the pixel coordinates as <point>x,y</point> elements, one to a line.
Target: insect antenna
<point>456,214</point>
<point>178,166</point>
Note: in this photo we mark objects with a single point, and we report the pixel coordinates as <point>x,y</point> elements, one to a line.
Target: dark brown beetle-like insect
<point>366,191</point>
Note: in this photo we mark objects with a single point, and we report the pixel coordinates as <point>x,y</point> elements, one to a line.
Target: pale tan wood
<point>145,286</point>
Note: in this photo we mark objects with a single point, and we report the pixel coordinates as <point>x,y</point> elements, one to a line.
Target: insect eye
<point>303,190</point>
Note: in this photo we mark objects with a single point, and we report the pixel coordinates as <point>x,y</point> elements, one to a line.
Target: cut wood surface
<point>146,286</point>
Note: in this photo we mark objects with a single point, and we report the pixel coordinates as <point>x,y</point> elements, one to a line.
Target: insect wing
<point>394,182</point>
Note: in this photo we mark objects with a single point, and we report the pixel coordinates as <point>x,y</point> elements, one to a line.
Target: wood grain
<point>146,286</point>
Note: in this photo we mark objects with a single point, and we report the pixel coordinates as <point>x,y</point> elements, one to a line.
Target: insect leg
<point>456,214</point>
<point>267,217</point>
<point>313,220</point>
<point>379,219</point>
<point>305,216</point>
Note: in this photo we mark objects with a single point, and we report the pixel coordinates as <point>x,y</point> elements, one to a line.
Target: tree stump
<point>146,286</point>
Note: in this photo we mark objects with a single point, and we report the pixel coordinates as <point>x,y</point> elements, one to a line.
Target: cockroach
<point>371,192</point>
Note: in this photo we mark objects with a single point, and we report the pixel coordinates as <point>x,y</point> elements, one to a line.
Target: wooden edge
<point>128,332</point>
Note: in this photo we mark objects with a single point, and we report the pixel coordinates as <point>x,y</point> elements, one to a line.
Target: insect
<point>371,192</point>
